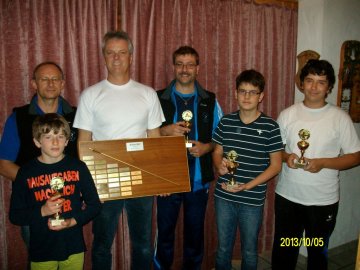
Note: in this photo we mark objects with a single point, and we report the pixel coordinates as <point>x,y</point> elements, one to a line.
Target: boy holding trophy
<point>48,195</point>
<point>247,154</point>
<point>307,194</point>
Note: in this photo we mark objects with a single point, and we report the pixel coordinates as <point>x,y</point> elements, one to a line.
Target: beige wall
<point>323,26</point>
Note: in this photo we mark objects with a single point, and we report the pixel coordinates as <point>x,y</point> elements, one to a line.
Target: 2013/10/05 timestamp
<point>302,241</point>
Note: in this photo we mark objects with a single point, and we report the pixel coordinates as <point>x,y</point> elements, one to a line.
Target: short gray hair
<point>118,35</point>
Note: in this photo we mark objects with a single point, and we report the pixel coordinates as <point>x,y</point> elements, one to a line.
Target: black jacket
<point>205,119</point>
<point>25,116</point>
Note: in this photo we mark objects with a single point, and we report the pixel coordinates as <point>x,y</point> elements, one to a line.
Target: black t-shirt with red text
<point>31,189</point>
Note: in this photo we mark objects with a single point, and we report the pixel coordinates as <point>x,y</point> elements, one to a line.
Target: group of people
<point>38,147</point>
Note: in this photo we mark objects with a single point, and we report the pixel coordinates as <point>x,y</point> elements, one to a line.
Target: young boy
<point>256,140</point>
<point>307,199</point>
<point>34,200</point>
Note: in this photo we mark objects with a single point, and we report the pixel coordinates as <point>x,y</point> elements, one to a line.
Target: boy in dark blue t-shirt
<point>255,141</point>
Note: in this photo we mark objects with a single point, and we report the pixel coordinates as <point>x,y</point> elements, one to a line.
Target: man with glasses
<point>253,144</point>
<point>17,146</point>
<point>192,111</point>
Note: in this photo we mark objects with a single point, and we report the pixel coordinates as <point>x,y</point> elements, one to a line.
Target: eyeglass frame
<point>252,93</point>
<point>47,80</point>
<point>189,66</point>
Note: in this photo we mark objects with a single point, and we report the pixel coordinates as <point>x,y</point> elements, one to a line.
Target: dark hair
<point>251,76</point>
<point>320,68</point>
<point>45,64</point>
<point>118,35</point>
<point>45,123</point>
<point>184,50</point>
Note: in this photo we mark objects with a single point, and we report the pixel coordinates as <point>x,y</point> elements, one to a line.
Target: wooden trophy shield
<point>137,167</point>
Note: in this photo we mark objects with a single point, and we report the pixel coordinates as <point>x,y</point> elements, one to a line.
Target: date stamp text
<point>303,241</point>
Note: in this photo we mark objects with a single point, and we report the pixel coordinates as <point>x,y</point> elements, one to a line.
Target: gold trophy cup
<point>187,117</point>
<point>303,145</point>
<point>231,166</point>
<point>56,184</point>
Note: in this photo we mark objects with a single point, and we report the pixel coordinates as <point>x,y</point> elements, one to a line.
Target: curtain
<point>230,36</point>
<point>68,32</point>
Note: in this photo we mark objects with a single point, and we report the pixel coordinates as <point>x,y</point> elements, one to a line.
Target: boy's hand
<point>53,205</point>
<point>222,168</point>
<point>236,188</point>
<point>314,165</point>
<point>67,223</point>
<point>291,160</point>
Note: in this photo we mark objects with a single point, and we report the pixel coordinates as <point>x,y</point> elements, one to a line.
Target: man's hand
<point>199,149</point>
<point>164,195</point>
<point>177,129</point>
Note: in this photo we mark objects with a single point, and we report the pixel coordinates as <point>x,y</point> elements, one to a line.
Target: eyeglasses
<point>187,66</point>
<point>48,80</point>
<point>251,93</point>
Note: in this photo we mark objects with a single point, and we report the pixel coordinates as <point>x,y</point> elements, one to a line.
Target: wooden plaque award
<point>137,167</point>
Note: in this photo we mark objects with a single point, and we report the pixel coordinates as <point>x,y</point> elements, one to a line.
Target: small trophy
<point>56,184</point>
<point>303,145</point>
<point>231,166</point>
<point>187,116</point>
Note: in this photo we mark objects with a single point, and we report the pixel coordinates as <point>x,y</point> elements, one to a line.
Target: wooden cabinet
<point>349,79</point>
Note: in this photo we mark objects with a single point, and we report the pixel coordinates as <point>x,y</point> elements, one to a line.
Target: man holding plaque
<point>252,141</point>
<point>194,112</point>
<point>320,141</point>
<point>118,108</point>
<point>49,194</point>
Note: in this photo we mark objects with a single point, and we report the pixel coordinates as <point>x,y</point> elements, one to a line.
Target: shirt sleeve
<point>218,113</point>
<point>10,142</point>
<point>156,115</point>
<point>349,140</point>
<point>84,114</point>
<point>280,122</point>
<point>22,211</point>
<point>218,134</point>
<point>275,141</point>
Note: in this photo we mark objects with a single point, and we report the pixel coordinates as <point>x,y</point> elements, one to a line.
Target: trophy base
<point>299,165</point>
<point>188,145</point>
<point>56,222</point>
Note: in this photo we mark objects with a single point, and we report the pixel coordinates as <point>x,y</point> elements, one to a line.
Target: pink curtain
<point>230,36</point>
<point>64,31</point>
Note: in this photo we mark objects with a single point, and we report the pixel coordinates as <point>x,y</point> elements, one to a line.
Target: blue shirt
<point>195,170</point>
<point>10,141</point>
